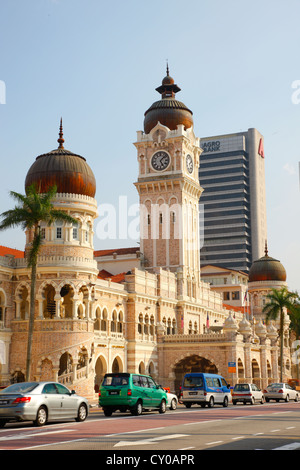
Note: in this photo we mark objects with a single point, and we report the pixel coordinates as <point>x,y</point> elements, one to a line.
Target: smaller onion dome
<point>267,269</point>
<point>168,111</point>
<point>230,323</point>
<point>245,326</point>
<point>66,170</point>
<point>261,330</point>
<point>272,331</point>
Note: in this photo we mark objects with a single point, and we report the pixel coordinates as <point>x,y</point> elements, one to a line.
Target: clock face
<point>160,160</point>
<point>189,164</point>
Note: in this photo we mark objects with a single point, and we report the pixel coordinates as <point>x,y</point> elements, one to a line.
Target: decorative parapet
<point>69,261</point>
<point>200,338</point>
<point>79,201</point>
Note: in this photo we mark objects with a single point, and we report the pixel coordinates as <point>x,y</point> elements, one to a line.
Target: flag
<point>207,321</point>
<point>245,297</point>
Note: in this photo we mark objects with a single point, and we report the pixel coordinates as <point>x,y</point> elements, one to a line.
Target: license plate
<point>114,392</point>
<point>4,402</point>
<point>192,393</point>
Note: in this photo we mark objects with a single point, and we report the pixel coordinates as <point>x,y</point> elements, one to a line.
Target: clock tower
<point>168,155</point>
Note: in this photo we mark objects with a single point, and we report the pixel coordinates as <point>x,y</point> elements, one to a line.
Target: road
<point>260,427</point>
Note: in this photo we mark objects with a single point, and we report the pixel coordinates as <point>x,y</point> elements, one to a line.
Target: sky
<point>96,64</point>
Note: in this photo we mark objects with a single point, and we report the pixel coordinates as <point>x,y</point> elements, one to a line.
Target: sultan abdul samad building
<point>142,309</point>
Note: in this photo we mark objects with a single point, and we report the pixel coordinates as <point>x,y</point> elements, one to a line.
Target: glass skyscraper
<point>233,203</point>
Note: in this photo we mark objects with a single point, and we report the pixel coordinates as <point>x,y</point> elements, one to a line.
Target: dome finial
<point>61,140</point>
<point>266,248</point>
<point>167,68</point>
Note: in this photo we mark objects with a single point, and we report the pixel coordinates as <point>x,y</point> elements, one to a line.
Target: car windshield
<point>21,387</point>
<point>117,380</point>
<point>241,388</point>
<point>193,381</point>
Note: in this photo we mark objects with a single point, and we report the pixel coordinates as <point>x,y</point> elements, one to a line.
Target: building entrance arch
<point>193,363</point>
<point>100,371</point>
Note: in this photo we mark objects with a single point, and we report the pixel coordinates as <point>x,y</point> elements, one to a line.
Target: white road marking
<point>293,446</point>
<point>202,422</point>
<point>27,436</point>
<point>148,441</point>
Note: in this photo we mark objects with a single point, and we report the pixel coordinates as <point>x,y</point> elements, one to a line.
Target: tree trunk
<point>31,321</point>
<point>281,345</point>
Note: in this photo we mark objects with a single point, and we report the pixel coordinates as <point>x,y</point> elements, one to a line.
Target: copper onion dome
<point>168,111</point>
<point>67,170</point>
<point>267,269</point>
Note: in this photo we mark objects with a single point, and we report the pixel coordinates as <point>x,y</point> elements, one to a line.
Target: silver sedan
<point>280,391</point>
<point>41,402</point>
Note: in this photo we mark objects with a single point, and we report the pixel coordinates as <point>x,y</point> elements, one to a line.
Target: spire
<point>168,87</point>
<point>61,140</point>
<point>266,248</point>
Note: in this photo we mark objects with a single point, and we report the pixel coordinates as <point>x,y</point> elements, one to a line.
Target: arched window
<point>104,320</point>
<point>140,324</point>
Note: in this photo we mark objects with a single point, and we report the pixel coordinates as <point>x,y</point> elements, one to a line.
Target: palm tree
<point>278,301</point>
<point>32,209</point>
<point>295,326</point>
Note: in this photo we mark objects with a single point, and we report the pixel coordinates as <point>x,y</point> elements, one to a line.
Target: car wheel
<point>163,406</point>
<point>211,402</point>
<point>287,398</point>
<point>107,411</point>
<point>82,413</point>
<point>138,409</point>
<point>187,405</point>
<point>262,400</point>
<point>41,416</point>
<point>252,402</point>
<point>297,397</point>
<point>234,402</point>
<point>173,404</point>
<point>225,402</point>
<point>2,423</point>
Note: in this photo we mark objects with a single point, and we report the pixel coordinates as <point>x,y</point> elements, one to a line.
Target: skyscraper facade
<point>233,203</point>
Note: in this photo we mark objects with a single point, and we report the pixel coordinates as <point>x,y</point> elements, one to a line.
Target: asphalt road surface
<point>271,426</point>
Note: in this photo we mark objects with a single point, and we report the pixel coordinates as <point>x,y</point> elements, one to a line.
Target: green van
<point>134,392</point>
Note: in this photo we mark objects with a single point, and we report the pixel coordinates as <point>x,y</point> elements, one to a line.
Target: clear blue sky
<point>97,64</point>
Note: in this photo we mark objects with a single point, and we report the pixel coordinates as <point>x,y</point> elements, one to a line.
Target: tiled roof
<point>5,250</point>
<point>119,277</point>
<point>119,251</point>
<point>245,309</point>
<point>103,274</point>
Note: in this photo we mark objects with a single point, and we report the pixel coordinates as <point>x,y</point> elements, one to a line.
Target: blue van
<point>204,389</point>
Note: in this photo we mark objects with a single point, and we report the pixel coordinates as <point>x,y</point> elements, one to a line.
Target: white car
<point>247,393</point>
<point>172,401</point>
<point>281,391</point>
